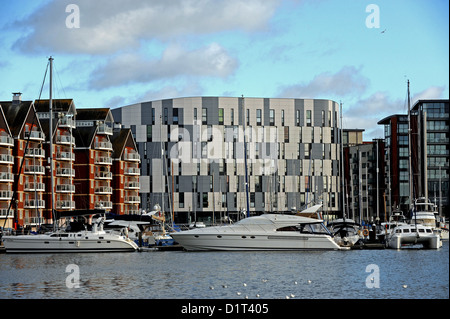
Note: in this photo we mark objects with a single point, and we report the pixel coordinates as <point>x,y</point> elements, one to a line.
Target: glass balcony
<point>65,156</point>
<point>6,177</point>
<point>5,195</point>
<point>65,204</point>
<point>103,175</point>
<point>103,205</point>
<point>6,141</point>
<point>6,159</point>
<point>65,188</point>
<point>103,190</point>
<point>103,146</point>
<point>34,169</point>
<point>65,139</point>
<point>29,187</point>
<point>35,152</point>
<point>62,172</point>
<point>103,160</point>
<point>132,157</point>
<point>104,129</point>
<point>35,135</point>
<point>34,203</point>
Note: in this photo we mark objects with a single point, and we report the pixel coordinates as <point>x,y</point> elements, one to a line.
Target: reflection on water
<point>224,275</point>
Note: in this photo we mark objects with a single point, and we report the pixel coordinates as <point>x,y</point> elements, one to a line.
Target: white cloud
<point>346,81</point>
<point>433,92</point>
<point>109,26</point>
<point>210,61</point>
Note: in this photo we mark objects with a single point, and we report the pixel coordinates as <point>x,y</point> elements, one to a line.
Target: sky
<point>111,53</point>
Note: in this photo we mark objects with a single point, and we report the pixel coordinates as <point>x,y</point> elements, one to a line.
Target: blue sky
<point>129,51</point>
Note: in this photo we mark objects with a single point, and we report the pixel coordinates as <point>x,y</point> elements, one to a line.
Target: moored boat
<point>408,235</point>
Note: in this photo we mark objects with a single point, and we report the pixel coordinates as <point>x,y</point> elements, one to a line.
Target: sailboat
<point>63,240</point>
<point>413,233</point>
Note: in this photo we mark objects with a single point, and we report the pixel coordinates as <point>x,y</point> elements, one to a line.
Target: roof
<point>17,114</point>
<point>58,105</point>
<point>95,114</point>
<point>120,139</point>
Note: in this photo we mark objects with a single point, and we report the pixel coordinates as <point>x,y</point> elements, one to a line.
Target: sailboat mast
<point>342,166</point>
<point>245,159</point>
<point>409,154</point>
<point>51,145</point>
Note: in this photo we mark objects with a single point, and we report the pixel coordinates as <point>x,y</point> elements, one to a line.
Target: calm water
<point>222,275</point>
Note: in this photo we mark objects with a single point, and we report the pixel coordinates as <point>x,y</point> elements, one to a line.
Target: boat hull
<point>46,244</point>
<point>241,242</point>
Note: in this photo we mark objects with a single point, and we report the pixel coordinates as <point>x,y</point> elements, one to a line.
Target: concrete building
<point>200,153</point>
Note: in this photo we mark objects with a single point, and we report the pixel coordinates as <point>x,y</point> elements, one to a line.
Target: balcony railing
<point>103,190</point>
<point>6,177</point>
<point>132,171</point>
<point>65,188</point>
<point>65,156</point>
<point>103,160</point>
<point>66,122</point>
<point>104,129</point>
<point>6,159</point>
<point>65,139</point>
<point>132,185</point>
<point>132,157</point>
<point>103,175</point>
<point>132,199</point>
<point>35,135</point>
<point>103,205</point>
<point>35,203</point>
<point>29,187</point>
<point>6,141</point>
<point>6,195</point>
<point>62,172</point>
<point>34,169</point>
<point>103,146</point>
<point>65,204</point>
<point>4,213</point>
<point>35,152</point>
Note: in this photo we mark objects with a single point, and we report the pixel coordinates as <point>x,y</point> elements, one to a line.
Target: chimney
<point>17,98</point>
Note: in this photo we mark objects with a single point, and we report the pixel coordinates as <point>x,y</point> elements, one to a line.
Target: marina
<point>351,274</point>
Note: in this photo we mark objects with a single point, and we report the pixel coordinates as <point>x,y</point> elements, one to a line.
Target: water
<point>222,275</point>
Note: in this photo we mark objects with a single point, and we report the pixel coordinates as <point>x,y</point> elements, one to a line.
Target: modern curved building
<point>200,153</point>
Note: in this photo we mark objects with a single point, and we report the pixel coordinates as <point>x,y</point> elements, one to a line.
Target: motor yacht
<point>62,241</point>
<point>264,232</point>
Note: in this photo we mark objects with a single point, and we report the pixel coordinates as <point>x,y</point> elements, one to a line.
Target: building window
<point>149,133</point>
<point>166,116</point>
<point>221,116</point>
<point>195,114</point>
<point>271,117</point>
<point>286,134</point>
<point>323,118</point>
<point>248,117</point>
<point>204,115</point>
<point>175,116</point>
<point>258,117</point>
<point>181,200</point>
<point>232,116</point>
<point>307,150</point>
<point>153,116</point>
<point>205,200</point>
<point>282,117</point>
<point>308,118</point>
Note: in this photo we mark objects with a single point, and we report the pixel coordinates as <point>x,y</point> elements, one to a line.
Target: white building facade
<point>199,154</point>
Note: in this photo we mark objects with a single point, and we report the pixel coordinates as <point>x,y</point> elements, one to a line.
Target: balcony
<point>34,169</point>
<point>6,195</point>
<point>6,177</point>
<point>132,200</point>
<point>35,203</point>
<point>65,172</point>
<point>132,171</point>
<point>6,141</point>
<point>104,129</point>
<point>6,159</point>
<point>65,139</point>
<point>103,175</point>
<point>65,156</point>
<point>132,157</point>
<point>132,185</point>
<point>65,204</point>
<point>65,188</point>
<point>31,187</point>
<point>103,160</point>
<point>4,213</point>
<point>103,190</point>
<point>66,122</point>
<point>35,136</point>
<point>35,152</point>
<point>103,205</point>
<point>107,146</point>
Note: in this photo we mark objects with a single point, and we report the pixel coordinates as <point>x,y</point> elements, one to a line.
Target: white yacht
<point>85,241</point>
<point>345,232</point>
<point>396,219</point>
<point>264,232</point>
<point>425,214</point>
<point>410,234</point>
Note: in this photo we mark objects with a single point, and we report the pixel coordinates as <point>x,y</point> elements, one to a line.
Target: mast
<point>51,145</point>
<point>245,159</point>
<point>411,184</point>
<point>342,167</point>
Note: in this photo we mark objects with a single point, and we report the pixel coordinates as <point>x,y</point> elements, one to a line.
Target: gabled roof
<point>95,114</point>
<point>121,139</point>
<point>17,114</point>
<point>84,136</point>
<point>58,105</point>
<point>4,122</point>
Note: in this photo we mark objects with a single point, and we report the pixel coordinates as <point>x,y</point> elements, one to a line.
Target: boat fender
<point>77,243</point>
<point>359,232</point>
<point>365,232</point>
